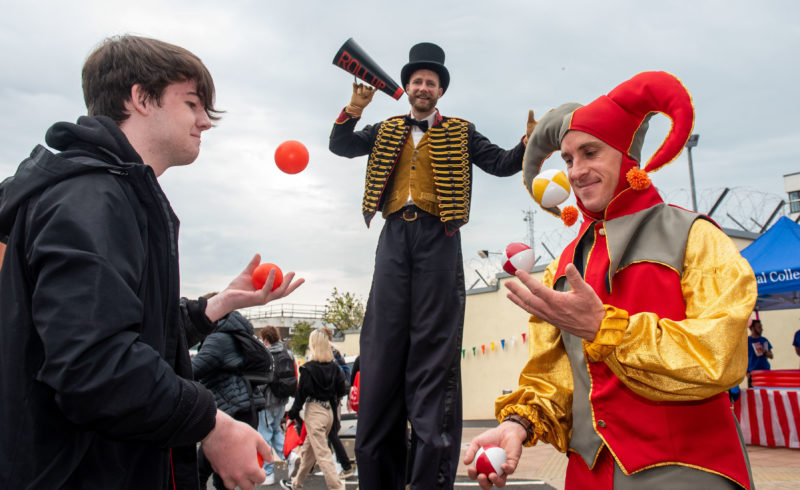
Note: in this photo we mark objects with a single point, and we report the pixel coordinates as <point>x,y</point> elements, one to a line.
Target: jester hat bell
<point>426,56</point>
<point>620,119</point>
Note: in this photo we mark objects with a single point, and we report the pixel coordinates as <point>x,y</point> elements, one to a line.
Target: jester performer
<point>419,175</point>
<point>640,326</point>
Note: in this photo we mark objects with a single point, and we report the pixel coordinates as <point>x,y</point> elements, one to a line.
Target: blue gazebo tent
<point>775,259</point>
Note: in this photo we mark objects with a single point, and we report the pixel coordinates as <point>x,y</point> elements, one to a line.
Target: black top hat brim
<point>410,68</point>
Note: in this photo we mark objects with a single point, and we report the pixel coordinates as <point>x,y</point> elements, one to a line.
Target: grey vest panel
<point>584,440</point>
<point>657,234</point>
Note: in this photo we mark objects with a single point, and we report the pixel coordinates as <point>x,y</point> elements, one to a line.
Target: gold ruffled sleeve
<point>705,354</point>
<point>544,395</point>
<point>608,337</point>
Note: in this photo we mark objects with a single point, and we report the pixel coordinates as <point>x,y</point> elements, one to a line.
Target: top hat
<point>426,56</point>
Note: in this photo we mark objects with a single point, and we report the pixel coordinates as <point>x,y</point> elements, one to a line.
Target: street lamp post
<point>691,143</point>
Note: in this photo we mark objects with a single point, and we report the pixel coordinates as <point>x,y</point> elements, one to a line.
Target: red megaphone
<point>352,59</point>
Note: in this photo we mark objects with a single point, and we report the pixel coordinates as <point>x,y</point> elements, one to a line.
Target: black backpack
<point>258,366</point>
<point>284,383</point>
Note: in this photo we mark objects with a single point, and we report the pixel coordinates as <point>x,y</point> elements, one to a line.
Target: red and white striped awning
<point>769,416</point>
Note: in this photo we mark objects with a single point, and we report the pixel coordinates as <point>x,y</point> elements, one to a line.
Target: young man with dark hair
<point>96,378</point>
<point>271,417</point>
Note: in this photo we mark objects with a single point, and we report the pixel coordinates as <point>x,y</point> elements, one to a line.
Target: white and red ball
<point>550,188</point>
<point>489,459</point>
<point>518,256</point>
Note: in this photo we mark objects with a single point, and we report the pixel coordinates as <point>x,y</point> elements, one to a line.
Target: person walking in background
<point>218,366</point>
<point>333,435</point>
<point>796,343</point>
<point>356,369</point>
<point>270,418</point>
<point>321,385</point>
<point>759,350</point>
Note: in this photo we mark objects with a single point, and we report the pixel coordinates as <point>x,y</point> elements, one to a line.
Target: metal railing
<point>284,311</point>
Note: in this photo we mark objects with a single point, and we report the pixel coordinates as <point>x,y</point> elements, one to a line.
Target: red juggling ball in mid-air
<point>291,157</point>
<point>261,273</point>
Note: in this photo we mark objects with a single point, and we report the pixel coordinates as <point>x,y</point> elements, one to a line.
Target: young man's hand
<point>241,293</point>
<point>232,448</point>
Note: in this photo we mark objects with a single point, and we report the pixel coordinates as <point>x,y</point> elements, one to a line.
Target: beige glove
<point>362,95</point>
<point>529,127</point>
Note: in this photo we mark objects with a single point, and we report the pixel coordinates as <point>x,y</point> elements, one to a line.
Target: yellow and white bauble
<point>550,188</point>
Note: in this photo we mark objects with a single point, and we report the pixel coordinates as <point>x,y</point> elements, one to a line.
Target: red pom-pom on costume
<point>638,179</point>
<point>569,215</point>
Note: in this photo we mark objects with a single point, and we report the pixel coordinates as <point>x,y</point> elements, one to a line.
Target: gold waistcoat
<point>450,168</point>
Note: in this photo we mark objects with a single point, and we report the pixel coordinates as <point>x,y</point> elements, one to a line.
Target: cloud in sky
<point>275,80</point>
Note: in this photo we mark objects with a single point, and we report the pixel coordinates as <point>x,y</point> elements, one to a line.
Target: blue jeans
<point>269,426</point>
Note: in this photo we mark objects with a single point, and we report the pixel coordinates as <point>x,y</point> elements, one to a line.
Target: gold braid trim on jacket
<point>388,144</point>
<point>449,150</point>
<point>450,161</point>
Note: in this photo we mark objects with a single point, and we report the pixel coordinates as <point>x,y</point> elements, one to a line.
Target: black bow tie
<point>423,125</point>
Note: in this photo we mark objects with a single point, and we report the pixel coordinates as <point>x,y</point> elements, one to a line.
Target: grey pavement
<point>543,468</point>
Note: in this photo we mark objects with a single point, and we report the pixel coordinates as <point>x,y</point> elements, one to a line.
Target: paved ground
<point>542,468</point>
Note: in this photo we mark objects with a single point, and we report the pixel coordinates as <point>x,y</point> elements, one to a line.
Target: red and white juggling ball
<point>518,256</point>
<point>550,188</point>
<point>489,458</point>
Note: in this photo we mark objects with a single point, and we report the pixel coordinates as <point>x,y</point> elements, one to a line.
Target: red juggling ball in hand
<point>261,273</point>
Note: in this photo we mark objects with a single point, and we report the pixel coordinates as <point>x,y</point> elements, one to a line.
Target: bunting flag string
<point>492,345</point>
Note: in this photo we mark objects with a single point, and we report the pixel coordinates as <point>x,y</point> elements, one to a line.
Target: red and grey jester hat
<point>620,119</point>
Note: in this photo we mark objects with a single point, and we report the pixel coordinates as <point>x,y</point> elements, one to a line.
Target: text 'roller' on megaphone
<point>352,59</point>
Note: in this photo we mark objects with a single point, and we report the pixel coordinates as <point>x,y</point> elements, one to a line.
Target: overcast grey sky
<point>271,62</point>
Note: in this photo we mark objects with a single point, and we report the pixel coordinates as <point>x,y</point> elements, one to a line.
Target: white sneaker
<point>286,484</point>
<point>291,462</point>
<point>269,480</point>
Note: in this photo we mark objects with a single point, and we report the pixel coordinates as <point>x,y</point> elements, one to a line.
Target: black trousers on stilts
<point>410,358</point>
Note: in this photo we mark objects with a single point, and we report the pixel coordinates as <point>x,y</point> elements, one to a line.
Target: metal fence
<point>311,312</point>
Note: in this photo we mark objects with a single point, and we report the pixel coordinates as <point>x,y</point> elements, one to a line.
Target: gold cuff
<point>612,330</point>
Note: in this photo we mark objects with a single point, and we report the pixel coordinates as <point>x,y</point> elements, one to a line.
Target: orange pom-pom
<point>638,179</point>
<point>569,215</point>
